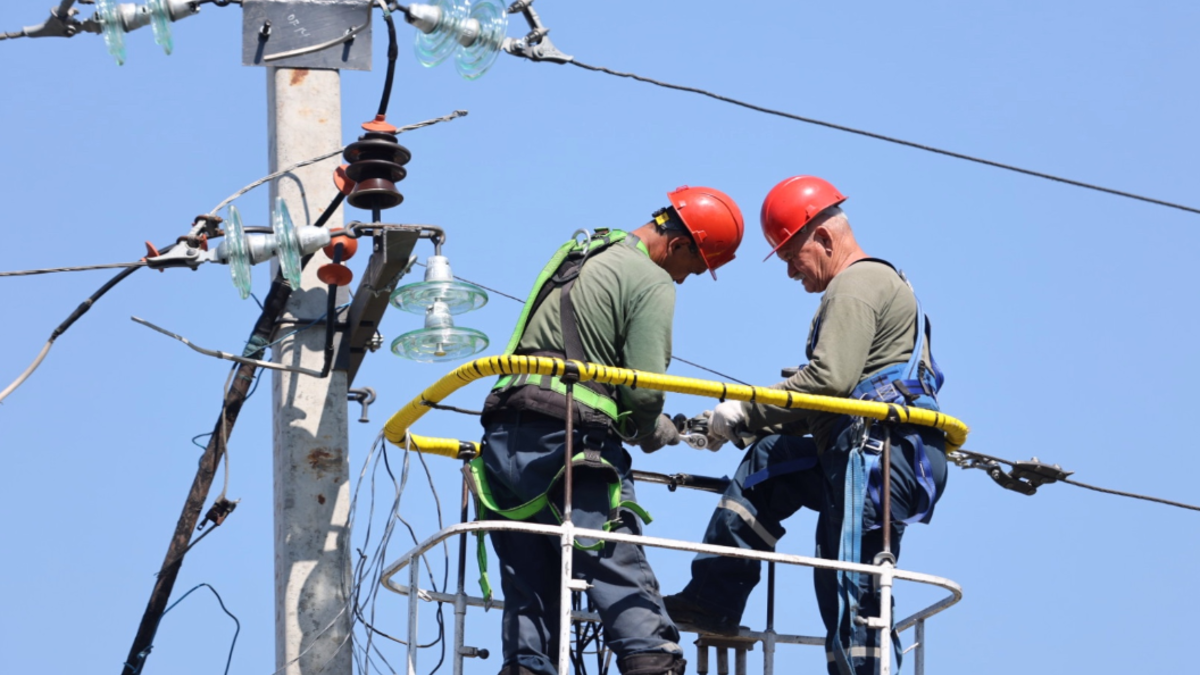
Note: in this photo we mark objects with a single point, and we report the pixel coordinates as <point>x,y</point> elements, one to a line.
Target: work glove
<point>725,420</point>
<point>665,433</point>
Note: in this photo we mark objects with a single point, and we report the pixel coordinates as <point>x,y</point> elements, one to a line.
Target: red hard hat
<point>714,221</point>
<point>792,204</point>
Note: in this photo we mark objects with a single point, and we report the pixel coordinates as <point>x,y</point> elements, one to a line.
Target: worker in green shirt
<point>607,300</point>
<point>869,340</point>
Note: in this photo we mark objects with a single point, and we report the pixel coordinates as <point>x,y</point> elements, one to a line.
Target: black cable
<point>62,327</point>
<point>331,209</point>
<point>1134,495</point>
<point>714,372</point>
<point>513,297</point>
<point>1168,502</point>
<point>84,268</point>
<point>889,139</point>
<point>439,406</point>
<point>237,628</point>
<point>393,52</point>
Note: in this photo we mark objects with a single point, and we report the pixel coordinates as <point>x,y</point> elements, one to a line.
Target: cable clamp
<point>218,512</point>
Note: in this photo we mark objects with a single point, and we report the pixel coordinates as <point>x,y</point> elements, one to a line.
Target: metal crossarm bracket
<point>390,258</point>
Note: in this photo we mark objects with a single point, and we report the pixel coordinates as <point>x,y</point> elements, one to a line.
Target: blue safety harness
<point>909,384</point>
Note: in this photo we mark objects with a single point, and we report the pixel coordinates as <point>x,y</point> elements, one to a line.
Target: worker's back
<point>624,305</point>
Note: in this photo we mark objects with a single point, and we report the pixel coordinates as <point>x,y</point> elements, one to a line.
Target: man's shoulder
<point>630,264</point>
<point>872,281</point>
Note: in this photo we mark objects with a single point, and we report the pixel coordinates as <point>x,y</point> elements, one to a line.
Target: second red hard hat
<point>792,204</point>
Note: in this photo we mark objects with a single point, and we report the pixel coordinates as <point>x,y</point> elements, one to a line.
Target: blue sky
<point>1065,319</point>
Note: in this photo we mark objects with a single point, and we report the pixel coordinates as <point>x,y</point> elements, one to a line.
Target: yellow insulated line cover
<point>397,429</point>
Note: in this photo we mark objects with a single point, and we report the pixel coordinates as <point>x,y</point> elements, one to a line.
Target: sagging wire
<point>393,52</point>
<point>84,268</point>
<point>70,320</point>
<point>889,139</point>
<point>730,378</point>
<point>368,567</point>
<point>1026,477</point>
<point>233,643</point>
<point>450,408</point>
<point>313,160</point>
<point>226,355</point>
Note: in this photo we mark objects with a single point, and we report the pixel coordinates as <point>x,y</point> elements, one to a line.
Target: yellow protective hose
<point>397,428</point>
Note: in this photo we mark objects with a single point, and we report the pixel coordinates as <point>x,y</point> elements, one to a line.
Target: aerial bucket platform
<point>397,431</point>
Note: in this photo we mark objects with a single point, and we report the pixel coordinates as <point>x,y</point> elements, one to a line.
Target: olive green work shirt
<point>624,306</point>
<point>866,322</point>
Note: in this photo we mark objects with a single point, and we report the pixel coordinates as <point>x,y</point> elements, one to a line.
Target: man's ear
<point>675,243</point>
<point>823,237</point>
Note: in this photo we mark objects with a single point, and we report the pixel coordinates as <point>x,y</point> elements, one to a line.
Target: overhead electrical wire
<point>62,327</point>
<point>121,276</point>
<point>971,454</point>
<point>513,297</point>
<point>85,268</point>
<point>237,625</point>
<point>889,139</point>
<point>313,160</point>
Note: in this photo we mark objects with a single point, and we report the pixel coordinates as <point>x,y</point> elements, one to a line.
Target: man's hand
<point>725,420</point>
<point>665,433</point>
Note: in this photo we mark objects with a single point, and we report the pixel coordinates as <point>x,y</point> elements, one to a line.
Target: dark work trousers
<point>522,451</point>
<point>787,473</point>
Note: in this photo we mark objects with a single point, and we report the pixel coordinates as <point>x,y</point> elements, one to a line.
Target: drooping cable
<point>313,160</point>
<point>392,53</point>
<point>971,454</point>
<point>237,624</point>
<point>62,327</point>
<point>84,268</point>
<point>889,139</point>
<point>513,297</point>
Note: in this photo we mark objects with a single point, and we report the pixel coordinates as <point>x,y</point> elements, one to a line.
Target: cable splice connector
<point>535,46</point>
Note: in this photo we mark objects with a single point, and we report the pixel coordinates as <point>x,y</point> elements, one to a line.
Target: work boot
<point>652,663</point>
<point>691,614</point>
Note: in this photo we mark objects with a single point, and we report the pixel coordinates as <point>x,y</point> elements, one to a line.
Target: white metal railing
<point>886,573</point>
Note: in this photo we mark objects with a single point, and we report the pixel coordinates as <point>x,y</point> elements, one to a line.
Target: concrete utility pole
<point>311,438</point>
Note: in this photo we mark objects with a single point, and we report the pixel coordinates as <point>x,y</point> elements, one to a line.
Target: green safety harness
<point>486,506</point>
<point>547,394</point>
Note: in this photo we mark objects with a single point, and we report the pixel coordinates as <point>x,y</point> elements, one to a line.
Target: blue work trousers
<point>522,452</point>
<point>778,476</point>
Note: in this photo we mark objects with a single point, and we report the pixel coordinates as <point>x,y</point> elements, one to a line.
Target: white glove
<point>726,418</point>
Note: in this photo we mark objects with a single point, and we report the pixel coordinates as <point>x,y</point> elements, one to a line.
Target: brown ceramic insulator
<point>349,245</point>
<point>375,193</point>
<point>376,165</point>
<point>337,275</point>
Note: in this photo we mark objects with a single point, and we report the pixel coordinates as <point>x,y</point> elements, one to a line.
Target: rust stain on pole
<point>322,460</point>
<point>298,76</point>
<point>321,499</point>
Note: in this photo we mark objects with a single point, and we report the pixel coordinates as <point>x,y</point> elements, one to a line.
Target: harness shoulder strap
<point>562,268</point>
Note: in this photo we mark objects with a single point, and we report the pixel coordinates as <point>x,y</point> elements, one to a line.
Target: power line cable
<point>237,625</point>
<point>731,378</point>
<point>84,268</point>
<point>70,320</point>
<point>313,160</point>
<point>972,455</point>
<point>889,139</point>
